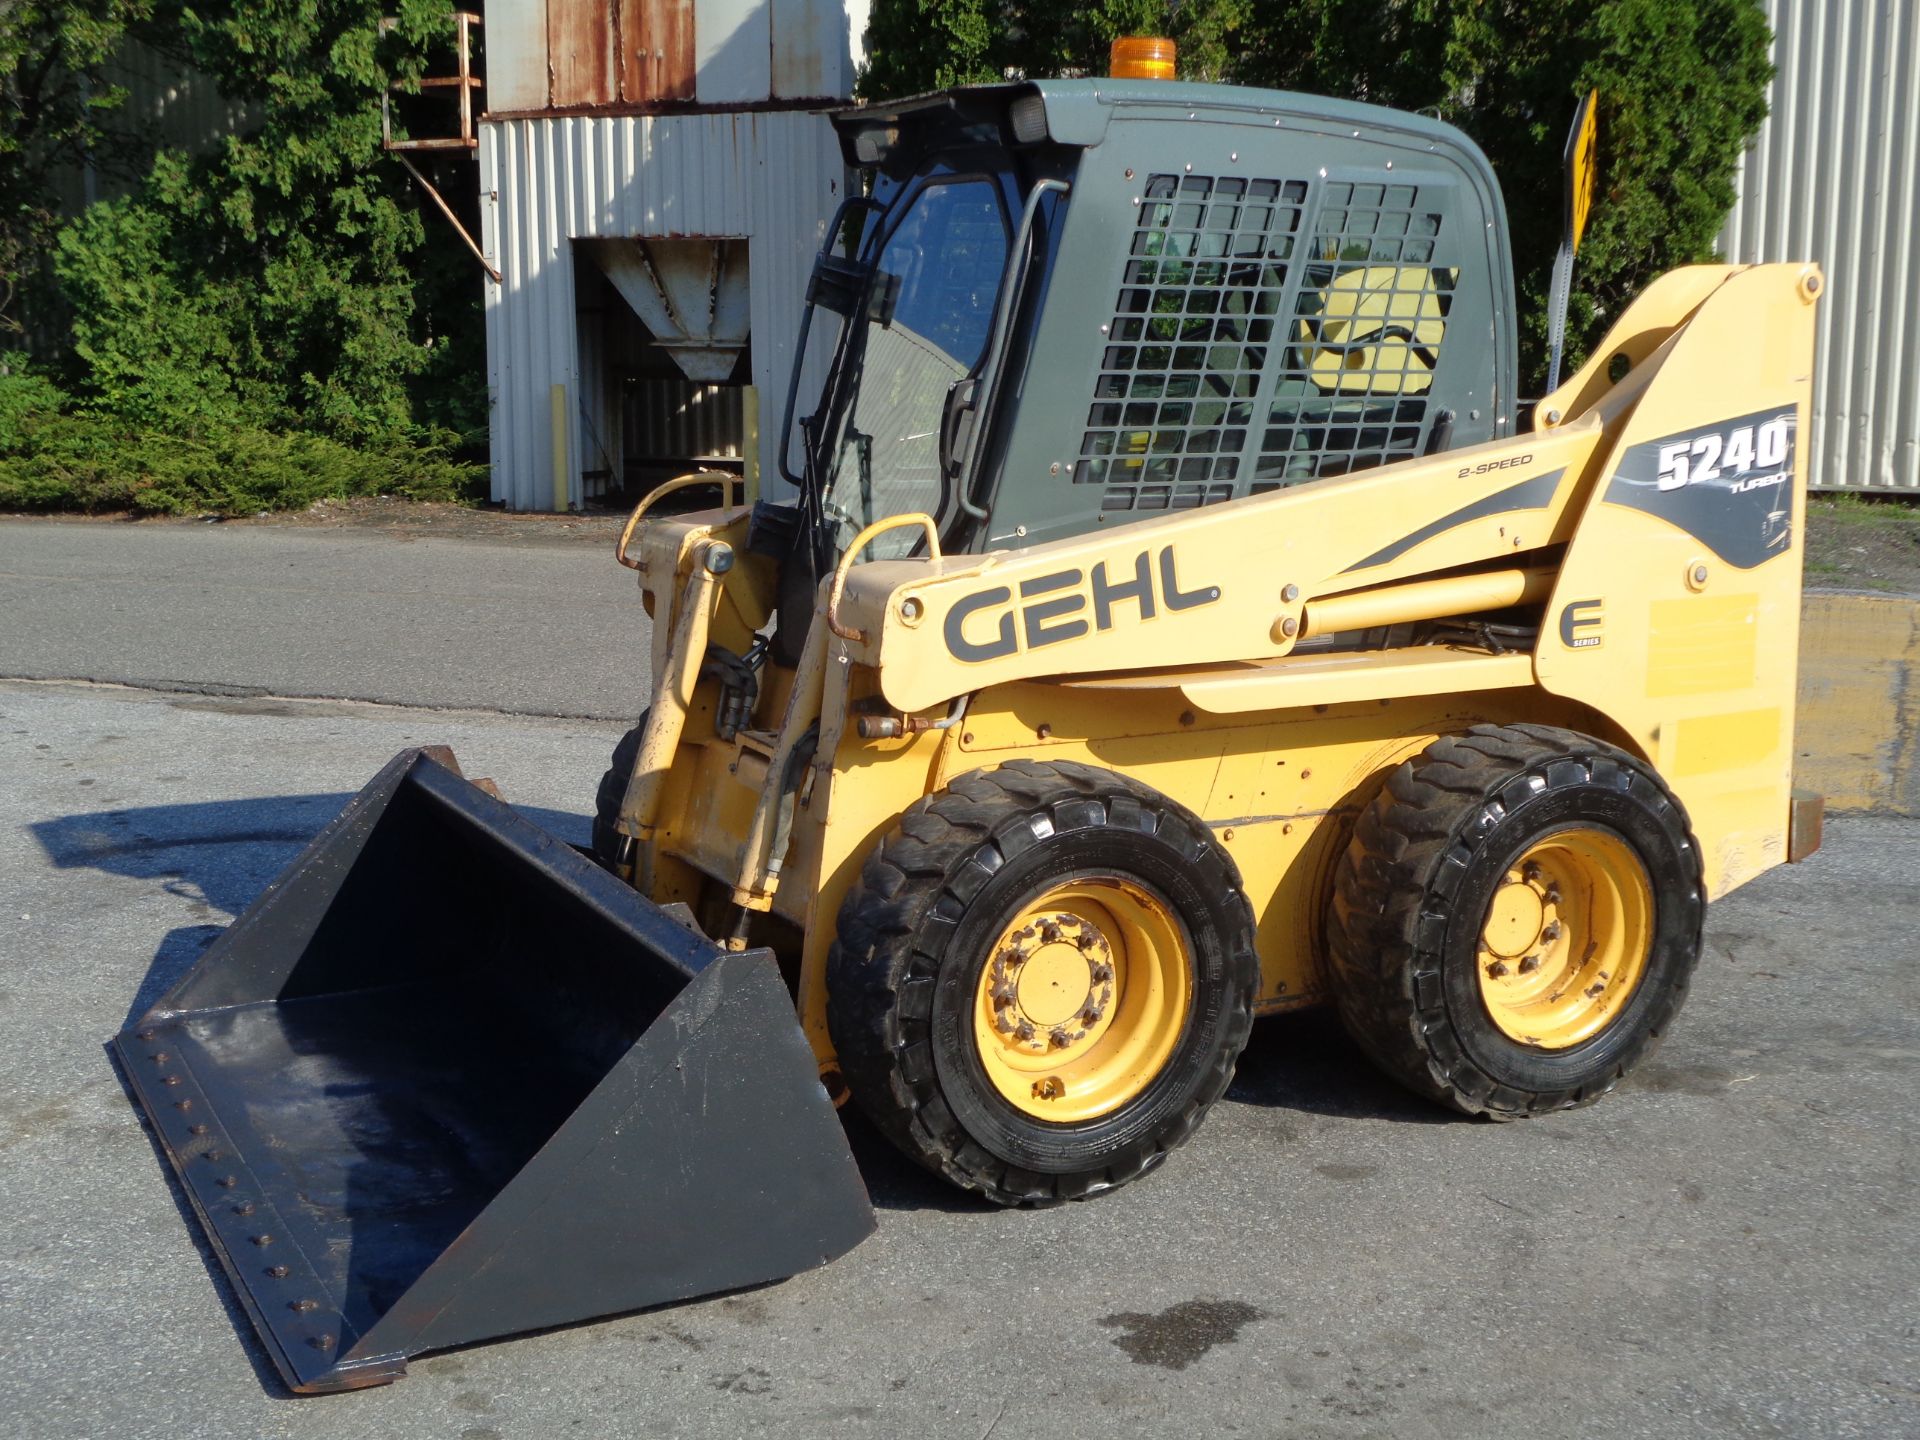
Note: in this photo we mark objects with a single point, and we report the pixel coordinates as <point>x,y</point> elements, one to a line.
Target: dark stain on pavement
<point>750,1381</point>
<point>47,1119</point>
<point>1346,1172</point>
<point>255,705</point>
<point>1180,1334</point>
<point>747,1309</point>
<point>1684,1079</point>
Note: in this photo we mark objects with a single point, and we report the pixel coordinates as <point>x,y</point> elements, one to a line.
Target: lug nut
<point>1530,964</point>
<point>1497,969</point>
<point>1049,1088</point>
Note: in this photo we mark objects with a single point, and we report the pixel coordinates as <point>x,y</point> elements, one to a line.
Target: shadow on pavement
<point>1306,1061</point>
<point>896,1183</point>
<point>218,855</point>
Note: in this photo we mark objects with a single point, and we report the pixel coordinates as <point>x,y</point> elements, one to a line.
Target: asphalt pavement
<point>523,628</point>
<point>1724,1247</point>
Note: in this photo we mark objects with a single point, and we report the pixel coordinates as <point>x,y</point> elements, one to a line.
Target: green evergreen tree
<point>276,281</point>
<point>57,113</point>
<point>915,45</point>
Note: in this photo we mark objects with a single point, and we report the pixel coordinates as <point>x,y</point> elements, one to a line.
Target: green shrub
<point>57,455</point>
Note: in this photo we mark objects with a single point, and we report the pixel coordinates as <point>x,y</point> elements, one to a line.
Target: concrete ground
<point>1723,1247</point>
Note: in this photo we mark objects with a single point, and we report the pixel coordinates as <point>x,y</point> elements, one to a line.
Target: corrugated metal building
<point>168,105</point>
<point>1833,178</point>
<point>654,183</point>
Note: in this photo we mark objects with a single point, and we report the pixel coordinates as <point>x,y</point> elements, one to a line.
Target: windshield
<point>925,325</point>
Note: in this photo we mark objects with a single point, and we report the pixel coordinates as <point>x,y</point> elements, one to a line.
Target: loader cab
<point>1070,304</point>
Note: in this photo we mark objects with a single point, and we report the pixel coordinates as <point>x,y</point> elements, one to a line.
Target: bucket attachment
<point>447,1079</point>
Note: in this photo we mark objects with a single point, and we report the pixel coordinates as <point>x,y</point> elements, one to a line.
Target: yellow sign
<point>1581,144</point>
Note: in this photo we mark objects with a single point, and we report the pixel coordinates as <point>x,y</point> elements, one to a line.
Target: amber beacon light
<point>1141,57</point>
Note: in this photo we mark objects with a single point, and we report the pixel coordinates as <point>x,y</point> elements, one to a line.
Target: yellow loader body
<point>1164,648</point>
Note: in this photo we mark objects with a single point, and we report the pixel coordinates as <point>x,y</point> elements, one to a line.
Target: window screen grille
<point>1200,296</point>
<point>1352,388</point>
<point>1247,353</point>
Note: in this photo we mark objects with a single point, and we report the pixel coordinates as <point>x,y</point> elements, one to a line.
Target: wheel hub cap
<point>1082,999</point>
<point>1052,983</point>
<point>1519,913</point>
<point>1566,937</point>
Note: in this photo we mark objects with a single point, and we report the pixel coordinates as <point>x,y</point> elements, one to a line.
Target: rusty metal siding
<point>772,177</point>
<point>645,54</point>
<point>1832,178</point>
<point>580,53</point>
<point>655,41</point>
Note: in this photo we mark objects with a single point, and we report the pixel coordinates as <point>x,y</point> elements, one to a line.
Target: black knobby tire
<point>915,934</point>
<point>1414,887</point>
<point>606,800</point>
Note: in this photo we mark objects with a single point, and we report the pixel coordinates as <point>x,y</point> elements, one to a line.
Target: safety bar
<point>659,493</point>
<point>860,542</point>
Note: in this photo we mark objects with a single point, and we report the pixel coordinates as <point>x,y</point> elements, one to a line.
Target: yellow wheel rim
<point>1565,941</point>
<point>1083,999</point>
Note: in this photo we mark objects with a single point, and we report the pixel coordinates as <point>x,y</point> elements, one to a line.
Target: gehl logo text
<point>989,624</point>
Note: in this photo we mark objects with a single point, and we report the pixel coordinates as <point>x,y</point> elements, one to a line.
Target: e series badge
<point>1580,624</point>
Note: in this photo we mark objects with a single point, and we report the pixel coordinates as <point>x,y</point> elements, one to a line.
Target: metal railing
<point>463,84</point>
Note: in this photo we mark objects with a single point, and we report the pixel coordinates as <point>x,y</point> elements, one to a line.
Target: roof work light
<point>1141,57</point>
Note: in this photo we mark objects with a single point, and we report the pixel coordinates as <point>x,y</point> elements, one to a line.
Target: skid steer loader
<point>1175,619</point>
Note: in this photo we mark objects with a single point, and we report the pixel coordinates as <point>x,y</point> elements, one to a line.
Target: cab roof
<point>1077,113</point>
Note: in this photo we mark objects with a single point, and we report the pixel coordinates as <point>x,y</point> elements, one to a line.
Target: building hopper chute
<point>691,293</point>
